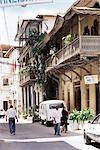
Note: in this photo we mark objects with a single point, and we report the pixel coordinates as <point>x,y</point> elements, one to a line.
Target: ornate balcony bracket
<point>85,69</point>
<point>76,73</point>
<point>59,72</point>
<point>64,75</point>
<point>53,76</point>
<point>67,76</point>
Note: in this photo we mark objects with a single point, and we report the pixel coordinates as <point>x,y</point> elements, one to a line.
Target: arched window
<point>96,5</point>
<point>96,26</point>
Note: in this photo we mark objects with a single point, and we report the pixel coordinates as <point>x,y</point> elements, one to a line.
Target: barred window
<point>5,82</point>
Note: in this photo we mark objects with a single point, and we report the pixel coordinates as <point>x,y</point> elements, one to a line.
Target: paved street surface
<point>34,136</point>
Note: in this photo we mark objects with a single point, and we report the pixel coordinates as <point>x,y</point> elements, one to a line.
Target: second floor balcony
<point>26,76</point>
<point>83,46</point>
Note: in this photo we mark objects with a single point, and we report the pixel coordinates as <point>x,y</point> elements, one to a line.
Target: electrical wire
<point>7,63</point>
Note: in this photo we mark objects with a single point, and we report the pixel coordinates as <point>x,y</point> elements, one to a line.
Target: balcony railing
<point>26,77</point>
<point>88,45</point>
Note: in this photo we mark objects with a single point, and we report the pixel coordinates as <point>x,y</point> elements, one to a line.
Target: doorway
<point>5,105</point>
<point>77,94</point>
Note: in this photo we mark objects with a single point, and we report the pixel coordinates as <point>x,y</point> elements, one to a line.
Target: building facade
<point>62,59</point>
<point>30,34</point>
<point>75,46</point>
<point>15,94</point>
<point>9,77</point>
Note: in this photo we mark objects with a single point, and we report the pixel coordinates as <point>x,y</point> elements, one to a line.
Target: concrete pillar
<point>66,94</point>
<point>28,97</point>
<point>31,96</point>
<point>41,94</point>
<point>33,100</point>
<point>24,99</point>
<point>92,95</point>
<point>60,88</point>
<point>37,90</point>
<point>83,95</point>
<point>71,96</point>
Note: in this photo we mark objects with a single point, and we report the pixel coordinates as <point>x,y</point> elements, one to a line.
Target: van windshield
<point>53,106</point>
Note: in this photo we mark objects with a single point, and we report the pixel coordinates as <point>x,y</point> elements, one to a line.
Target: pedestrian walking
<point>57,119</point>
<point>64,120</point>
<point>11,115</point>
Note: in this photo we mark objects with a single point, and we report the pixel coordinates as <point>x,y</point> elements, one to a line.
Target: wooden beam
<point>76,73</point>
<point>64,75</point>
<point>53,78</point>
<point>79,25</point>
<point>85,69</point>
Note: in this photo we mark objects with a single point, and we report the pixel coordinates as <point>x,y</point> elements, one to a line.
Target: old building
<point>4,77</point>
<point>30,34</point>
<point>75,45</point>
<point>14,96</point>
<point>64,62</point>
<point>10,92</point>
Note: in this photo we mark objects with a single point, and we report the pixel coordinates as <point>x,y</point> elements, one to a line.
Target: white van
<point>46,109</point>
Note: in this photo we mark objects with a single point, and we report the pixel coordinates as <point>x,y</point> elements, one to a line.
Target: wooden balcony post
<point>79,25</point>
<point>79,30</point>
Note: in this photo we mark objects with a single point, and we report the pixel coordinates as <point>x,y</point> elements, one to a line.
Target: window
<point>96,120</point>
<point>5,82</point>
<point>59,105</point>
<point>27,58</point>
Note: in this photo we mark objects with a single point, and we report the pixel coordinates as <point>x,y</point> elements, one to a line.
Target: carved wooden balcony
<point>83,46</point>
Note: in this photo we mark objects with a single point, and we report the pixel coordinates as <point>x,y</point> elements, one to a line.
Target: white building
<point>4,82</point>
<point>15,92</point>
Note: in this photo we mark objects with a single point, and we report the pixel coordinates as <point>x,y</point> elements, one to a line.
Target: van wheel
<point>47,123</point>
<point>42,122</point>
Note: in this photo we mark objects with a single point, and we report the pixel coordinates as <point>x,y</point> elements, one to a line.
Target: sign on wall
<point>8,3</point>
<point>91,79</point>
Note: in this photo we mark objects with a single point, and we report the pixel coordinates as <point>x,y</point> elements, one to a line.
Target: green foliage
<point>37,44</point>
<point>68,39</point>
<point>24,114</point>
<point>83,115</point>
<point>86,114</point>
<point>36,116</point>
<point>75,116</point>
<point>39,68</point>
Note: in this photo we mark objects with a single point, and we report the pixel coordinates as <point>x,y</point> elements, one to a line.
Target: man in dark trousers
<point>11,115</point>
<point>64,119</point>
<point>57,119</point>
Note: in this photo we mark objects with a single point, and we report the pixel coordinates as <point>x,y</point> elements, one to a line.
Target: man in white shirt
<point>11,115</point>
<point>57,120</point>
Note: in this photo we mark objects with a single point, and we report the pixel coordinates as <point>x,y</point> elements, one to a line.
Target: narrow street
<point>36,136</point>
<point>50,71</point>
